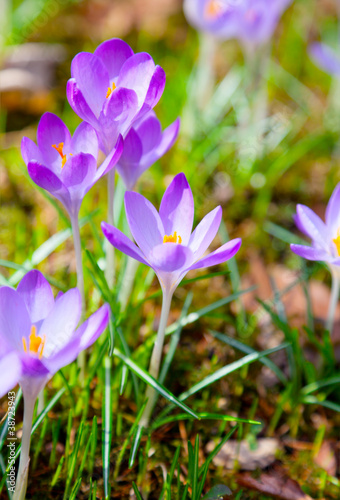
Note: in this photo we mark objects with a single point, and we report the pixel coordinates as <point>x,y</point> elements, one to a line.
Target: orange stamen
<point>172,238</point>
<point>59,148</point>
<point>213,9</point>
<point>336,242</point>
<point>110,90</point>
<point>36,343</point>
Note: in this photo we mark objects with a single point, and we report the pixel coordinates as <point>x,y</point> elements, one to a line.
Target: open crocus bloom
<point>251,21</point>
<point>39,334</point>
<point>165,240</point>
<point>63,165</point>
<point>112,87</point>
<point>326,58</point>
<point>325,236</point>
<point>144,144</point>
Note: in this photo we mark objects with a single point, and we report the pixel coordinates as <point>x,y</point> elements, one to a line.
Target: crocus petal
<point>156,87</point>
<point>167,140</point>
<point>110,161</point>
<point>85,336</point>
<point>78,103</point>
<point>169,257</point>
<point>37,294</point>
<point>113,53</point>
<point>128,165</point>
<point>117,116</point>
<point>120,241</point>
<point>326,58</point>
<point>149,130</point>
<point>137,73</point>
<point>52,130</point>
<point>222,254</point>
<point>333,211</point>
<point>10,368</point>
<point>205,232</point>
<point>30,151</point>
<point>311,253</point>
<point>60,324</point>
<point>313,226</point>
<point>32,367</point>
<point>144,222</point>
<point>46,179</point>
<point>85,140</point>
<point>77,176</point>
<point>92,79</point>
<point>15,322</point>
<point>177,208</point>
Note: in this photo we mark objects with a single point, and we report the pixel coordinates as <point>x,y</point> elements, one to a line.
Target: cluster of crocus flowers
<point>38,336</point>
<point>167,244</point>
<point>325,238</point>
<point>251,21</point>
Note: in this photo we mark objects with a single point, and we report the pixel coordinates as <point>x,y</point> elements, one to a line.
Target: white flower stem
<point>110,251</point>
<point>80,285</point>
<point>156,357</point>
<point>127,285</point>
<point>21,481</point>
<point>333,301</point>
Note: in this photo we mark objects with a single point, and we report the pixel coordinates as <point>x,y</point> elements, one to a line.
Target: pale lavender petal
<point>37,294</point>
<point>85,140</point>
<point>170,257</point>
<point>60,324</point>
<point>117,116</point>
<point>156,87</point>
<point>30,151</point>
<point>144,222</point>
<point>149,130</point>
<point>78,103</point>
<point>10,368</point>
<point>310,253</point>
<point>129,162</point>
<point>222,254</point>
<point>137,73</point>
<point>33,368</point>
<point>85,336</point>
<point>168,138</point>
<point>333,211</point>
<point>313,226</point>
<point>177,208</point>
<point>46,179</point>
<point>113,53</point>
<point>205,232</point>
<point>326,58</point>
<point>110,161</point>
<point>92,79</point>
<point>120,241</point>
<point>78,174</point>
<point>52,130</point>
<point>15,322</point>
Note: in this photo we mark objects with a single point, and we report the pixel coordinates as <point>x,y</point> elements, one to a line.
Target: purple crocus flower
<point>251,21</point>
<point>325,236</point>
<point>325,58</point>
<point>165,240</point>
<point>39,334</point>
<point>113,87</point>
<point>144,144</point>
<point>63,165</point>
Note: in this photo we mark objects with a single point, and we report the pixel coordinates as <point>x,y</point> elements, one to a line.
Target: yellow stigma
<point>59,148</point>
<point>336,242</point>
<point>110,90</point>
<point>36,344</point>
<point>172,238</point>
<point>213,9</point>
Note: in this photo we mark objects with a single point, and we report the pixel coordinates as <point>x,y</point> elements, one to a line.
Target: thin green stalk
<point>156,357</point>
<point>21,482</point>
<point>110,251</point>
